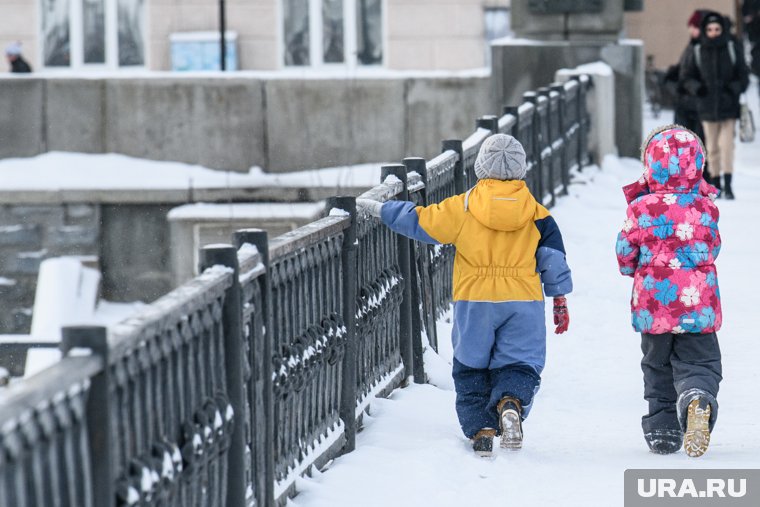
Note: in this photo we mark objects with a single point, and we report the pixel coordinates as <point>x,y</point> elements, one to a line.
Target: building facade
<point>86,35</point>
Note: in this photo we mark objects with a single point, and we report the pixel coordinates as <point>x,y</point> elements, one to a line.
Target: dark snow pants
<point>479,390</point>
<point>677,368</point>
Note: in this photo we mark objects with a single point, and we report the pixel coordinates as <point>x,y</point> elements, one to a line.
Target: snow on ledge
<point>60,171</point>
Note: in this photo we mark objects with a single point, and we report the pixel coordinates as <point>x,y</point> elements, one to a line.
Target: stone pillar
<point>561,34</point>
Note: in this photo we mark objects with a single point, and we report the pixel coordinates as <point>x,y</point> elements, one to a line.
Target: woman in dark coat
<point>716,74</point>
<point>685,104</point>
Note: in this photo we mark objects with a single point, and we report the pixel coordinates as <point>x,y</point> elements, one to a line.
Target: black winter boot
<point>665,441</point>
<point>729,193</point>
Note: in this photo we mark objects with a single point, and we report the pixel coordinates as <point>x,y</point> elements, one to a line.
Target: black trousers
<point>678,367</point>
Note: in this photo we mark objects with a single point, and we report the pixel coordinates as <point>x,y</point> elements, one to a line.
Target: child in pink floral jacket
<point>668,244</point>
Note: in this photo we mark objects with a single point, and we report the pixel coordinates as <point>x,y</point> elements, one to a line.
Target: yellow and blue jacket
<point>507,244</point>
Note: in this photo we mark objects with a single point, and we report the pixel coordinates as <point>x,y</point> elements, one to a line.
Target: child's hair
<point>664,128</point>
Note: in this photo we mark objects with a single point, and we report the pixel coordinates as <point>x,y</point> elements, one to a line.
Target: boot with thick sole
<point>510,420</point>
<point>482,442</point>
<point>664,441</point>
<point>728,191</point>
<point>697,436</point>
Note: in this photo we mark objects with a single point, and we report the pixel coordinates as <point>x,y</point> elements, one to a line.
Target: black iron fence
<point>229,388</point>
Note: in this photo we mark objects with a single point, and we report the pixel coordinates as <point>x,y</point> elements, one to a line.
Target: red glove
<point>561,317</point>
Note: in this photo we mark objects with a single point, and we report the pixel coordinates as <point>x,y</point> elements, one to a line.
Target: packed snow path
<point>584,430</point>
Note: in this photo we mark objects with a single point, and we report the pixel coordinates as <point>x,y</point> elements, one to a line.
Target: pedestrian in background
<point>17,62</point>
<point>717,75</point>
<point>685,106</point>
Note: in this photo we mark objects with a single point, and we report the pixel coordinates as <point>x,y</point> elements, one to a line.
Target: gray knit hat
<point>501,157</point>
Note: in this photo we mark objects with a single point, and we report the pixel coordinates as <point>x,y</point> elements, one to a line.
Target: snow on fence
<point>224,391</point>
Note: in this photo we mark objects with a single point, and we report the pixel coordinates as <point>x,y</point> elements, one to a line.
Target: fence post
<point>559,88</point>
<point>349,266</point>
<point>99,412</point>
<point>488,122</point>
<point>532,97</point>
<point>583,120</point>
<point>514,111</point>
<point>422,292</point>
<point>404,256</point>
<point>232,320</point>
<point>264,422</point>
<point>459,176</point>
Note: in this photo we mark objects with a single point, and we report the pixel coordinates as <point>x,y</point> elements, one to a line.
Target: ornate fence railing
<point>226,390</point>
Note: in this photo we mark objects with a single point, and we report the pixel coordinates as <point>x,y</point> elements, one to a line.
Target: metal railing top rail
<point>250,262</point>
<point>571,84</point>
<point>475,139</point>
<point>385,191</point>
<point>414,181</point>
<point>441,163</point>
<point>69,376</point>
<point>307,235</point>
<point>167,311</point>
<point>526,108</point>
<point>507,122</point>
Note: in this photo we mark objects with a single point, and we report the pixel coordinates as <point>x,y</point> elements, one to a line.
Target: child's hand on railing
<point>561,316</point>
<point>369,206</point>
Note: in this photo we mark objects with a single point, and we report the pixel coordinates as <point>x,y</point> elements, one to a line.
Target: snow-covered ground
<point>584,430</point>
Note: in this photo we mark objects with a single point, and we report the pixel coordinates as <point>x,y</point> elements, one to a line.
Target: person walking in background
<point>686,112</point>
<point>507,247</point>
<point>717,75</point>
<point>669,244</point>
<point>13,54</point>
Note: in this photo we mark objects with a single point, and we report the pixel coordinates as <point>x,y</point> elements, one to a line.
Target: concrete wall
<point>520,66</point>
<point>28,235</point>
<point>236,123</point>
<point>662,26</point>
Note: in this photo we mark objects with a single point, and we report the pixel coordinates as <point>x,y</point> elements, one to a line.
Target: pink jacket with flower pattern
<point>670,240</point>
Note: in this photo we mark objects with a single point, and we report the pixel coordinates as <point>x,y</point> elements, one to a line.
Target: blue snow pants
<point>499,350</point>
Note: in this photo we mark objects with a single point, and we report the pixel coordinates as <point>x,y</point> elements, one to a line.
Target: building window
<point>498,24</point>
<point>332,32</point>
<point>55,32</point>
<point>131,46</point>
<point>101,33</point>
<point>369,32</point>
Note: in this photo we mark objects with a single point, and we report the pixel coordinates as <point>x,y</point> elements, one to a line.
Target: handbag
<point>746,123</point>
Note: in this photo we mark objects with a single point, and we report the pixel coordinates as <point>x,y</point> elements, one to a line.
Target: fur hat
<point>13,49</point>
<point>501,157</point>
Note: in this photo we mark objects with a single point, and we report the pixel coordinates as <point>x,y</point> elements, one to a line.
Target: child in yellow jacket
<point>507,247</point>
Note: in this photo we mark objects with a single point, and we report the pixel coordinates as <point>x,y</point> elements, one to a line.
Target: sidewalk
<point>584,430</point>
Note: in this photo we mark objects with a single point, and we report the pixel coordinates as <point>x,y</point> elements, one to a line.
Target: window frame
<point>76,39</point>
<point>316,27</point>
